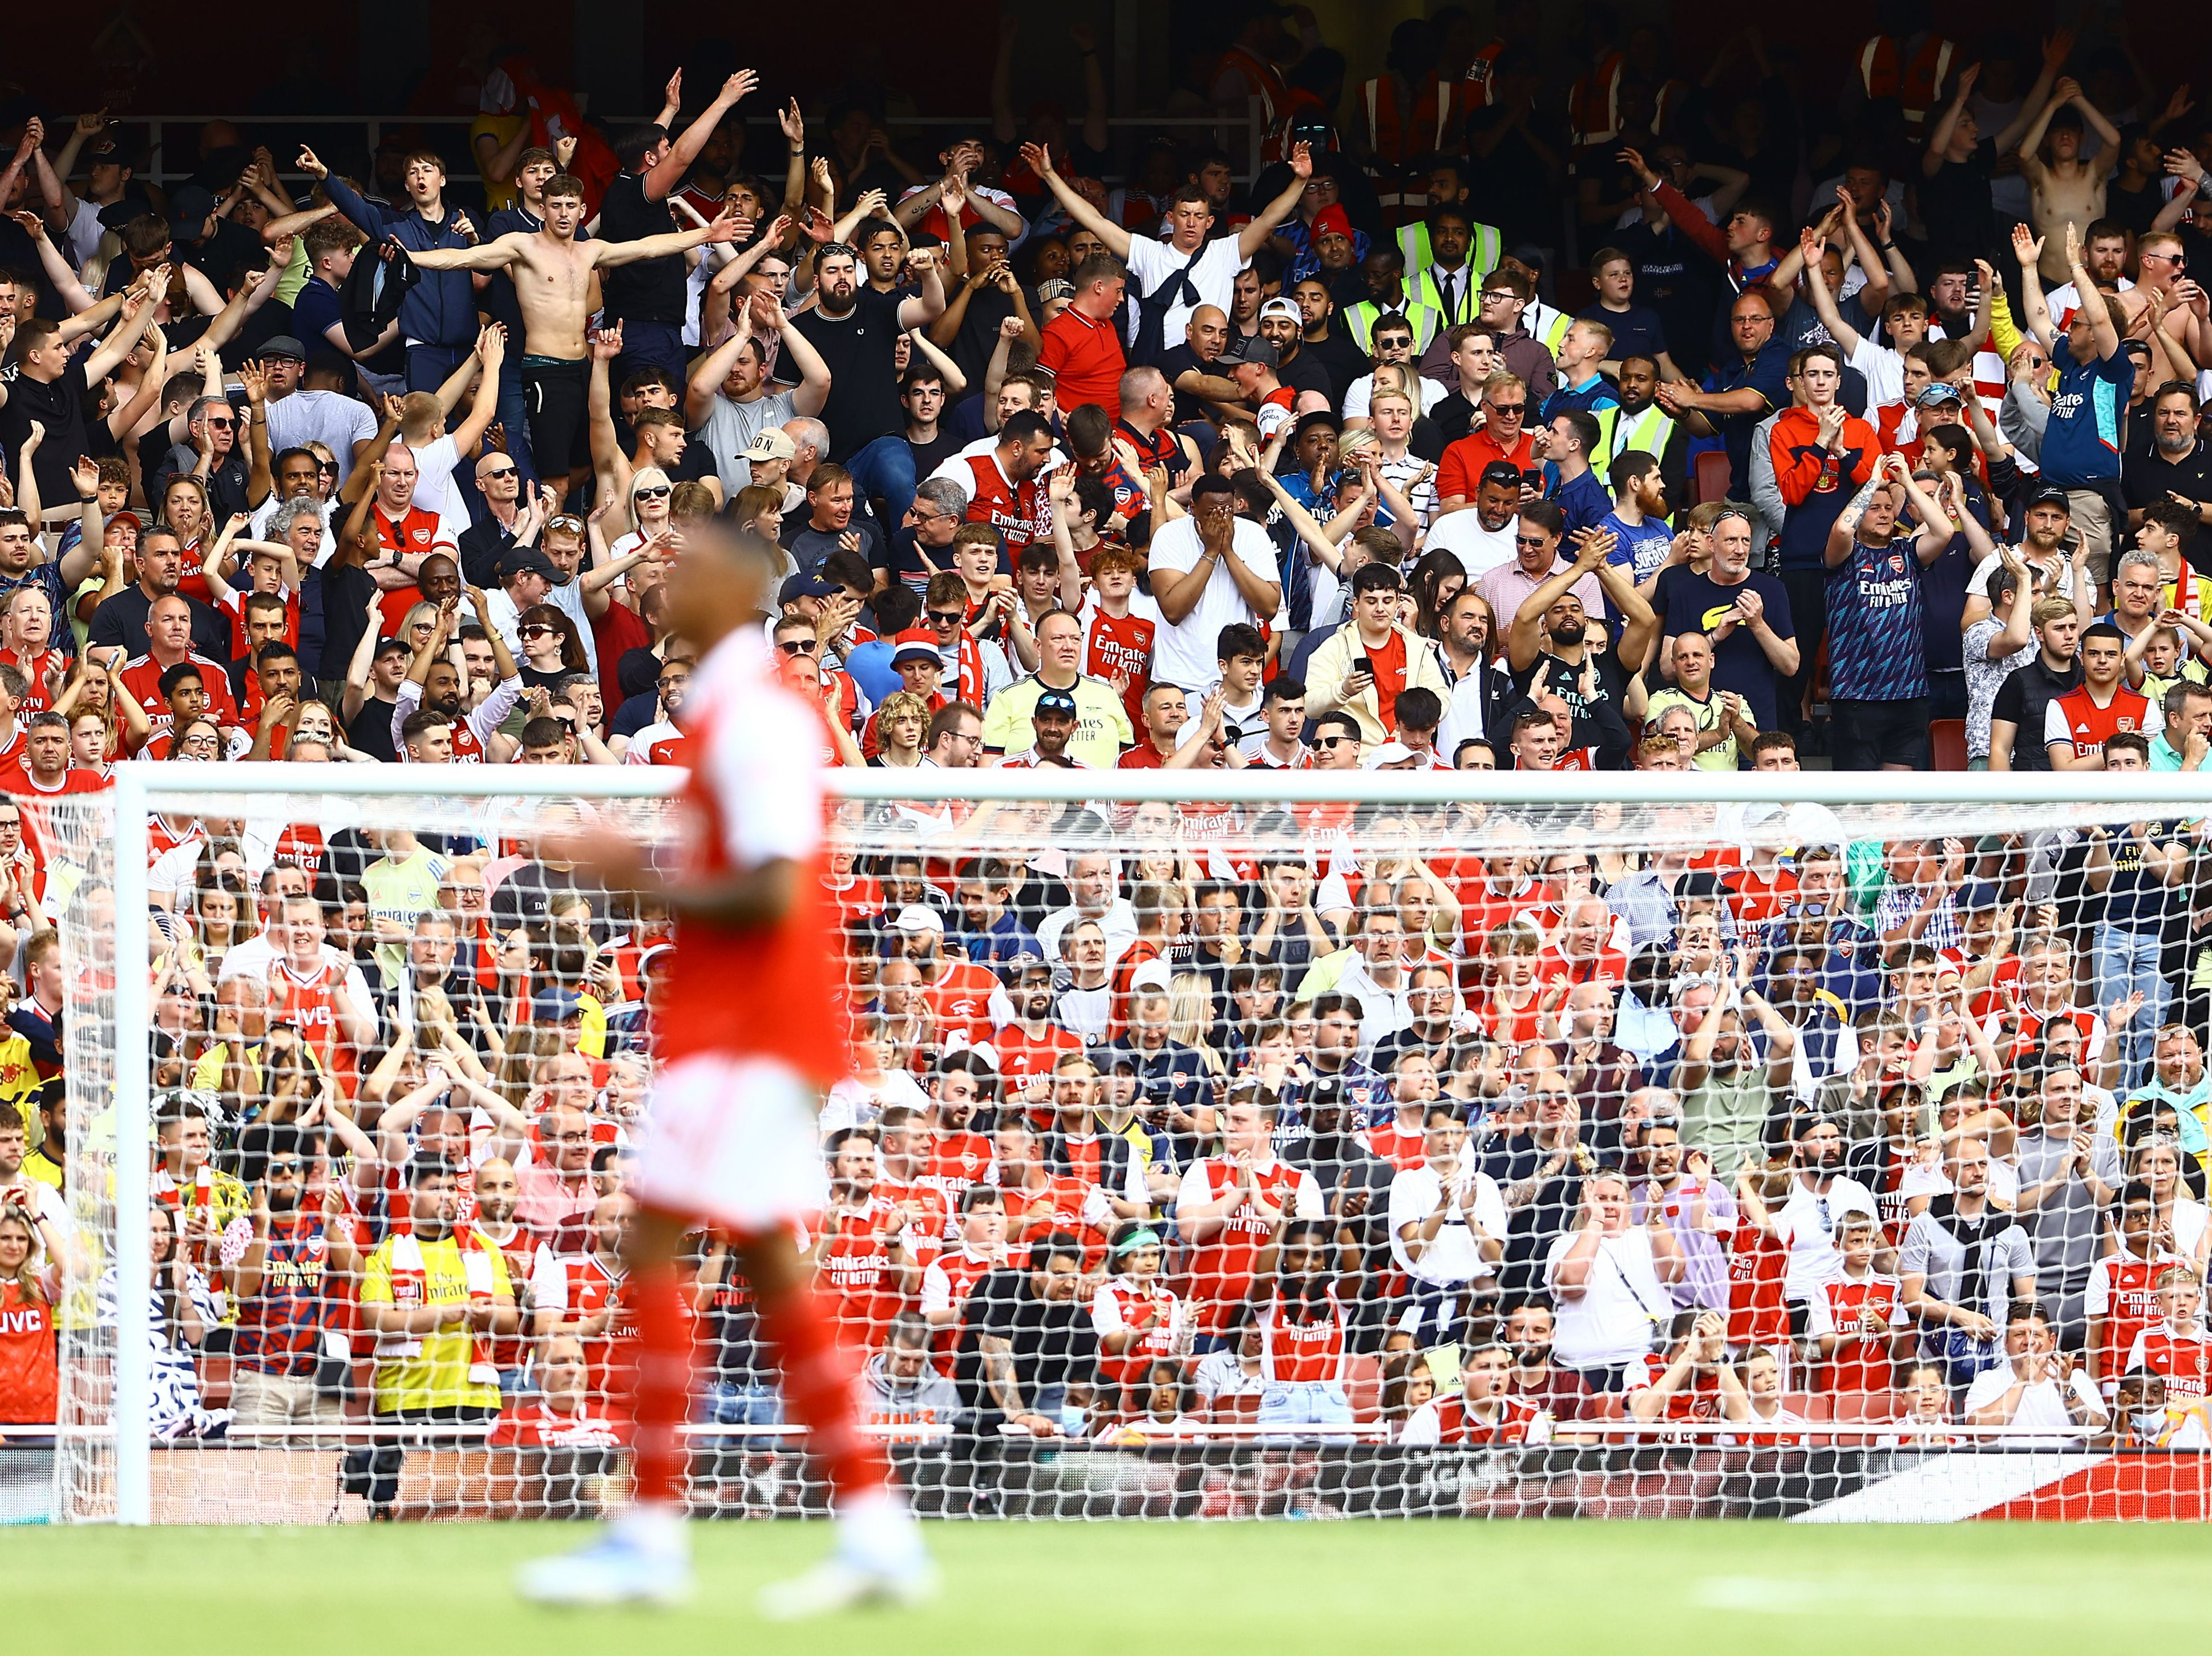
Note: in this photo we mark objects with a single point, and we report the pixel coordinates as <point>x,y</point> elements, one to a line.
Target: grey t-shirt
<point>1930,1250</point>
<point>730,430</point>
<point>2063,1232</point>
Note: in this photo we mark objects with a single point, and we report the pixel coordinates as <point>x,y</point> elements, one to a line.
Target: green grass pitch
<point>1075,1589</point>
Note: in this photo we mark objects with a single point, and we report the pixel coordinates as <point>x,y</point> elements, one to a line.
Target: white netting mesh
<point>1571,978</point>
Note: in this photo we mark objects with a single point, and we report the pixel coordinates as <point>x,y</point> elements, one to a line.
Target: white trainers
<point>837,1584</point>
<point>615,1570</point>
<point>880,1561</point>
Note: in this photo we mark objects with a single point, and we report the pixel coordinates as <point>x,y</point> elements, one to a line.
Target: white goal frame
<point>140,789</point>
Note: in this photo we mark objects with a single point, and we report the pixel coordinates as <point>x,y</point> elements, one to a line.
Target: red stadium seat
<point>1947,741</point>
<point>1710,480</point>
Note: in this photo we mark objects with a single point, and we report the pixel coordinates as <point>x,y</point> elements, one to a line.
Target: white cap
<point>1389,753</point>
<point>917,917</point>
<point>1152,975</point>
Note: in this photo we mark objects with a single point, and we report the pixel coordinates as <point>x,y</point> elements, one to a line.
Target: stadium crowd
<point>1882,450</point>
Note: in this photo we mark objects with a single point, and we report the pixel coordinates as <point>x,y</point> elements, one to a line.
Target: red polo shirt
<point>1086,359</point>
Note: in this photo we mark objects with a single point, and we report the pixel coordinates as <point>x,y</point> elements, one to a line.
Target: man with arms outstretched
<point>552,274</point>
<point>729,1133</point>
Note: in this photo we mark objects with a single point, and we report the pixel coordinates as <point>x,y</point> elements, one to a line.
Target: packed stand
<point>1169,1121</point>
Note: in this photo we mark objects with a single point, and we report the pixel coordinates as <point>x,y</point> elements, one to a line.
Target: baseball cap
<point>773,443</point>
<point>1280,307</point>
<point>807,583</point>
<point>190,206</point>
<point>1319,420</point>
<point>1152,975</point>
<point>918,918</point>
<point>553,1006</point>
<point>1388,753</point>
<point>283,347</point>
<point>1975,895</point>
<point>1056,701</point>
<point>2050,496</point>
<point>1261,352</point>
<point>528,560</point>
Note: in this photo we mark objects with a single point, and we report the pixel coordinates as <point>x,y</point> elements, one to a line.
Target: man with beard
<point>277,1286</point>
<point>1698,1208</point>
<point>2172,465</point>
<point>1549,652</point>
<point>856,331</point>
<point>1804,1221</point>
<point>1029,1046</point>
<point>1561,1392</point>
<point>435,683</point>
<point>1640,424</point>
<point>1482,539</point>
<point>958,992</point>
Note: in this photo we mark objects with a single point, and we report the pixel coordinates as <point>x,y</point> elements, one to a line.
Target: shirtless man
<point>552,274</point>
<point>2065,188</point>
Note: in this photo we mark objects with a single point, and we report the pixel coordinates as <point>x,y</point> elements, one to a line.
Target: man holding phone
<point>1373,659</point>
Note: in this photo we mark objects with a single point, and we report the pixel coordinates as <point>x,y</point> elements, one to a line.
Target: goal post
<point>1220,829</point>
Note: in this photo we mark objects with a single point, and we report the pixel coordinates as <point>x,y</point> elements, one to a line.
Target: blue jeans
<point>1305,1402</point>
<point>725,1403</point>
<point>650,344</point>
<point>514,418</point>
<point>430,367</point>
<point>884,467</point>
<point>2127,962</point>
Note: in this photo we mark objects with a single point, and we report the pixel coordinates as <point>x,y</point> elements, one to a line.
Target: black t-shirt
<point>1054,1341</point>
<point>651,289</point>
<point>1341,356</point>
<point>1307,371</point>
<point>1179,360</point>
<point>1690,602</point>
<point>2149,474</point>
<point>1954,204</point>
<point>346,594</point>
<point>1454,418</point>
<point>59,407</point>
<point>371,729</point>
<point>863,403</point>
<point>928,456</point>
<point>2021,701</point>
<point>122,620</point>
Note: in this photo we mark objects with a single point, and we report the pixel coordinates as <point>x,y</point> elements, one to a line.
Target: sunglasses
<point>1532,540</point>
<point>652,492</point>
<point>330,467</point>
<point>1509,409</point>
<point>538,632</point>
<point>947,618</point>
<point>1335,741</point>
<point>564,522</point>
<point>800,646</point>
<point>503,472</point>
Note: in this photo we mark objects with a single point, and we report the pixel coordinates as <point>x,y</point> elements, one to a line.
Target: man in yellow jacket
<point>1373,659</point>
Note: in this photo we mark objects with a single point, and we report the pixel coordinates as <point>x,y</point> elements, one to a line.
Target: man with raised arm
<point>2082,441</point>
<point>552,273</point>
<point>729,1138</point>
<point>1186,271</point>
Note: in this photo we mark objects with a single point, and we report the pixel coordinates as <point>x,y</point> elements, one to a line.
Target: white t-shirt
<point>1362,389</point>
<point>1453,1255</point>
<point>1884,369</point>
<point>1214,274</point>
<point>1610,1322</point>
<point>1814,1257</point>
<point>1186,653</point>
<point>2041,1418</point>
<point>434,488</point>
<point>1477,550</point>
